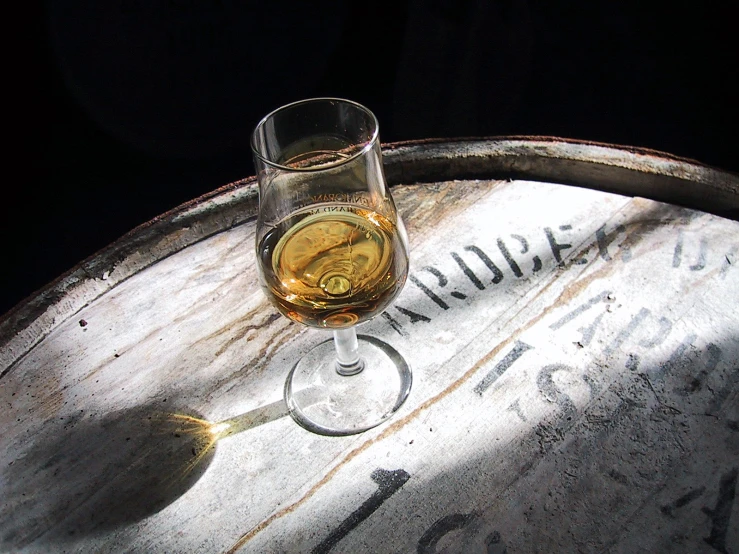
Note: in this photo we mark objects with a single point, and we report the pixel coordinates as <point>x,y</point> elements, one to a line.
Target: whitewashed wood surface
<point>576,389</point>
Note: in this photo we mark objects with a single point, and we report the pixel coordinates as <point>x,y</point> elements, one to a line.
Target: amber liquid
<point>333,266</point>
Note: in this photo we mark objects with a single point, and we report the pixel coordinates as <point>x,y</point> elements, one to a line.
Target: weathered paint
<point>576,383</point>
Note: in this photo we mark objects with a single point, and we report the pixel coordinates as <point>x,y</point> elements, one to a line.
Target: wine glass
<point>332,253</point>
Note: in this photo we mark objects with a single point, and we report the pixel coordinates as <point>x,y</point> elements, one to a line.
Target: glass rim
<point>370,142</point>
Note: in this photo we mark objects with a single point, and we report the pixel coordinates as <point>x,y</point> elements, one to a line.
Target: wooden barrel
<point>576,374</point>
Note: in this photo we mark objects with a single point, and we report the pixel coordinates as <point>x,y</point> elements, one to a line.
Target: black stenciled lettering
<point>415,317</point>
<point>677,356</point>
<point>508,258</point>
<point>558,247</point>
<point>701,263</point>
<point>588,331</point>
<point>665,326</point>
<point>555,246</point>
<point>684,500</point>
<point>580,309</point>
<point>467,271</point>
<point>525,248</point>
<point>516,409</point>
<point>523,241</point>
<point>394,324</point>
<point>550,390</point>
<point>494,544</point>
<point>604,240</point>
<point>714,356</point>
<point>439,275</point>
<point>427,543</point>
<point>677,255</point>
<point>501,367</point>
<point>442,283</point>
<point>721,513</point>
<point>626,332</point>
<point>728,261</point>
<point>427,291</point>
<point>592,385</point>
<point>551,433</point>
<point>497,273</point>
<point>678,252</point>
<point>723,393</point>
<point>388,483</point>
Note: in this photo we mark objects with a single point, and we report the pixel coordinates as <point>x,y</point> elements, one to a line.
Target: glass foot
<point>325,402</point>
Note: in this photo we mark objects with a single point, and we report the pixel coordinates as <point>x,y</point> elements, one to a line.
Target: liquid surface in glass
<point>333,265</point>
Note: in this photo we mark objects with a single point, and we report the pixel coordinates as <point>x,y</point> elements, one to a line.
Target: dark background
<point>143,105</point>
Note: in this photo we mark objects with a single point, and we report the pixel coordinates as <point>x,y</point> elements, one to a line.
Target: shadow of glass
<point>90,475</point>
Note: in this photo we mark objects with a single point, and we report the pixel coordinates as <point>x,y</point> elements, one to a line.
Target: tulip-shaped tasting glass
<point>332,253</point>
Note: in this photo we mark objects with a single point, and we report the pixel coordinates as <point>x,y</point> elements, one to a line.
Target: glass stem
<point>348,361</point>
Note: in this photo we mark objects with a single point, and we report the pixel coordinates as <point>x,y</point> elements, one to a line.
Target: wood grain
<point>576,382</point>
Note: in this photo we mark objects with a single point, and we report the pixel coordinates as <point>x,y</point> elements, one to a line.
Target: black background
<point>139,106</point>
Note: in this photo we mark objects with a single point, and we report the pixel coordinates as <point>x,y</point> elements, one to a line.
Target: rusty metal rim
<point>623,170</point>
